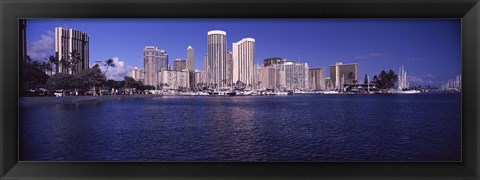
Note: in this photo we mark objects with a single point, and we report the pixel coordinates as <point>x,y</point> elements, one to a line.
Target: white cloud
<point>43,48</point>
<point>118,72</point>
<point>369,55</point>
<point>429,75</point>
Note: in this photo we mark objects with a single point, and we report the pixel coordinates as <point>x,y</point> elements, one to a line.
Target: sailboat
<point>403,86</point>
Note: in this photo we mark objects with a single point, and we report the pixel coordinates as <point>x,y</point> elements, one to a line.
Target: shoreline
<point>26,101</point>
<point>42,100</point>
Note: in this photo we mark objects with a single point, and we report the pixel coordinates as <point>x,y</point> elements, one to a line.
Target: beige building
<point>71,44</point>
<point>329,84</point>
<point>343,74</point>
<point>150,59</point>
<point>137,74</point>
<point>280,79</point>
<point>244,60</point>
<point>216,58</point>
<point>197,78</point>
<point>174,79</point>
<point>229,68</point>
<point>179,64</point>
<point>190,58</point>
<point>316,78</point>
<point>268,77</point>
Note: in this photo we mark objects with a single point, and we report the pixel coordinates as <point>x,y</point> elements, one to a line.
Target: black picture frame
<point>467,10</point>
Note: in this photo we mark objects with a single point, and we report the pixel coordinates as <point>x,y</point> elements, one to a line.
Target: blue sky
<point>429,49</point>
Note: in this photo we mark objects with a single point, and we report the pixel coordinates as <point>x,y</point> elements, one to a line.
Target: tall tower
<point>217,55</point>
<point>72,46</point>
<point>243,60</point>
<point>190,59</point>
<point>162,61</point>
<point>150,63</point>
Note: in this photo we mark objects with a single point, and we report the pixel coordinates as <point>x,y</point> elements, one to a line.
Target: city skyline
<point>429,49</point>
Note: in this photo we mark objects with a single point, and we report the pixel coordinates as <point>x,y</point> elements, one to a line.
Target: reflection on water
<point>423,127</point>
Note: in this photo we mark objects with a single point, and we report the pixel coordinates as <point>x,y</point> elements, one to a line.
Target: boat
<point>330,92</point>
<point>412,91</point>
<point>403,85</point>
<point>222,93</point>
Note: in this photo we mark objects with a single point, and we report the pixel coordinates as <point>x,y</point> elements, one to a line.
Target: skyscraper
<point>243,60</point>
<point>190,58</point>
<point>149,63</point>
<point>179,64</point>
<point>217,55</point>
<point>162,61</point>
<point>71,46</point>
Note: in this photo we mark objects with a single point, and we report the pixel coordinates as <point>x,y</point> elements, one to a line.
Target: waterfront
<point>383,127</point>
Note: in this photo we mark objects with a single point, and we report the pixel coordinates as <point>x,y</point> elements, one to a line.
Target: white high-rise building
<point>296,75</point>
<point>72,46</point>
<point>244,60</point>
<point>190,58</point>
<point>150,59</point>
<point>216,61</point>
<point>155,60</point>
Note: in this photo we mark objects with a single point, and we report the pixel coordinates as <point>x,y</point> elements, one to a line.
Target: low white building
<point>174,79</point>
<point>137,74</point>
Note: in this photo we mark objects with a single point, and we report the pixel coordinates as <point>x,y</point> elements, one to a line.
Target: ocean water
<point>413,127</point>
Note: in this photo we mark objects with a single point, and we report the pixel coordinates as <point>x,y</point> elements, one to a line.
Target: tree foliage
<point>385,80</point>
<point>59,81</point>
<point>31,76</point>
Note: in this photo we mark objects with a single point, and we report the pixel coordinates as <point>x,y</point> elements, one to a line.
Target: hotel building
<point>216,58</point>
<point>268,77</point>
<point>154,61</point>
<point>137,74</point>
<point>71,43</point>
<point>150,59</point>
<point>174,79</point>
<point>243,60</point>
<point>179,64</point>
<point>343,74</point>
<point>316,78</point>
<point>296,76</point>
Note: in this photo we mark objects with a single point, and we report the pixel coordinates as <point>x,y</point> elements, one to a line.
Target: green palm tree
<point>108,63</point>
